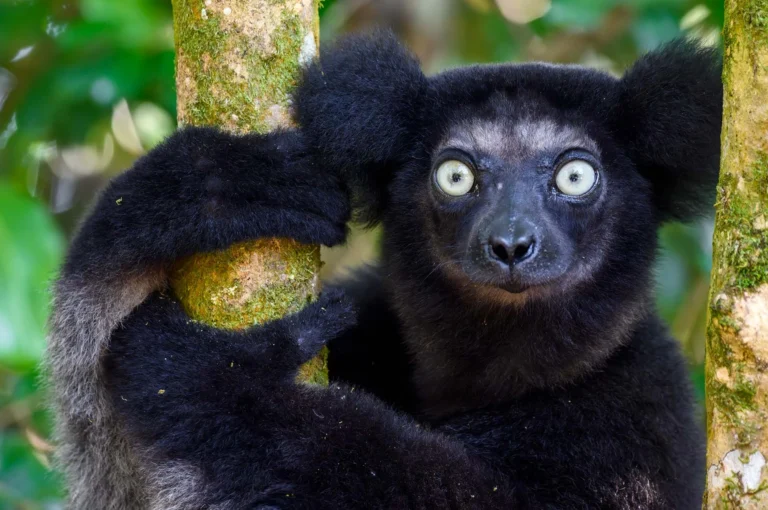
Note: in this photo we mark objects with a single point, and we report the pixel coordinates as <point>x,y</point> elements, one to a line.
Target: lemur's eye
<point>575,178</point>
<point>454,178</point>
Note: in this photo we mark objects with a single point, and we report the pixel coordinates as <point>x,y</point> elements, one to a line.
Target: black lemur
<point>504,353</point>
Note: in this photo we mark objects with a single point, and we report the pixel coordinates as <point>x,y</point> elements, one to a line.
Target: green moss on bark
<point>248,284</point>
<point>743,217</point>
<point>241,71</point>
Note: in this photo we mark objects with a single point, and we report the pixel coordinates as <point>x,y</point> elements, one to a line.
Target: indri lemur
<point>505,353</point>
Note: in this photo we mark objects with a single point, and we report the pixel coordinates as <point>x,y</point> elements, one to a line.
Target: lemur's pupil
<point>574,177</point>
<point>456,177</point>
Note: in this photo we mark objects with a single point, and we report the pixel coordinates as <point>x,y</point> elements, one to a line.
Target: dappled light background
<point>87,86</point>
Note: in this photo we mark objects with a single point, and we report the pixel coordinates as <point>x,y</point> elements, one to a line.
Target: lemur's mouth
<point>508,282</point>
<point>514,282</point>
<point>514,286</point>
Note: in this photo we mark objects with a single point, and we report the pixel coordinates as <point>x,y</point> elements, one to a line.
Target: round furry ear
<point>669,114</point>
<point>359,106</point>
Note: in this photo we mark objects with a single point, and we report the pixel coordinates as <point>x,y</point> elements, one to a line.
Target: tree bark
<point>737,338</point>
<point>236,62</point>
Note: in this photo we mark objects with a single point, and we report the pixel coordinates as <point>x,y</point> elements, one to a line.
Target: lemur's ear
<point>360,107</point>
<point>669,113</point>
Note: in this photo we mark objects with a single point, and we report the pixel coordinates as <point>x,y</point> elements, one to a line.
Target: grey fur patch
<point>101,468</point>
<point>177,486</point>
<point>517,140</point>
<point>637,491</point>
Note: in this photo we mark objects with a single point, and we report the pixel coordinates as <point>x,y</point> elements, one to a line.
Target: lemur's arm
<point>234,426</point>
<point>222,410</point>
<point>200,190</point>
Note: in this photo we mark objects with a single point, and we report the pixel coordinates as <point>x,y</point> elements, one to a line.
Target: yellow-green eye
<point>454,178</point>
<point>575,178</point>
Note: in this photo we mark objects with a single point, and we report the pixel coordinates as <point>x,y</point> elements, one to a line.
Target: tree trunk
<point>236,62</point>
<point>737,340</point>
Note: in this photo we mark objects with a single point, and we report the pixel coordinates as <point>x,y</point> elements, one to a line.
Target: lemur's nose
<point>512,249</point>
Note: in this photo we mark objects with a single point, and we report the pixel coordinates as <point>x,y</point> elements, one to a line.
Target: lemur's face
<point>518,179</point>
<point>518,199</point>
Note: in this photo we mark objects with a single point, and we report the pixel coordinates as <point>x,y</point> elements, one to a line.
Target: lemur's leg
<point>199,190</point>
<point>226,406</point>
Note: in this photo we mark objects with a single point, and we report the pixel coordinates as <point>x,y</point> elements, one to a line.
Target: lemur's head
<point>526,179</point>
<point>520,203</point>
<point>522,195</point>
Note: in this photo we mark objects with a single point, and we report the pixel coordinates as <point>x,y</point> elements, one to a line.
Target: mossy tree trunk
<point>236,62</point>
<point>737,339</point>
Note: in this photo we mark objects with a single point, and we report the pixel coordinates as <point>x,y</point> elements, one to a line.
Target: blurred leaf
<point>21,392</point>
<point>578,14</point>
<point>153,124</point>
<point>698,377</point>
<point>523,11</point>
<point>324,5</point>
<point>484,37</point>
<point>653,28</point>
<point>31,251</point>
<point>483,6</point>
<point>684,241</point>
<point>23,477</point>
<point>682,272</point>
<point>135,24</point>
<point>22,24</point>
<point>717,12</point>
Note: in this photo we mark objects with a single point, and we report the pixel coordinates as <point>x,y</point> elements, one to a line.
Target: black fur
<point>673,134</point>
<point>456,387</point>
<point>361,105</point>
<point>228,402</point>
<point>203,190</point>
<point>199,190</point>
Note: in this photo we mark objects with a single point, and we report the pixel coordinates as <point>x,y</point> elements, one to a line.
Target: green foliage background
<point>86,86</point>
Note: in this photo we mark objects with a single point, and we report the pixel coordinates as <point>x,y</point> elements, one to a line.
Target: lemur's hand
<point>159,345</point>
<point>309,329</point>
<point>203,189</point>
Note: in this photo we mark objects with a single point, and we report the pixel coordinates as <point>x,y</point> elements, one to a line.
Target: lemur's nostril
<point>523,250</point>
<point>500,251</point>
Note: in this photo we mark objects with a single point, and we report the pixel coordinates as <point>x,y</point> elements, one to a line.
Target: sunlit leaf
<point>30,252</point>
<point>523,11</point>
